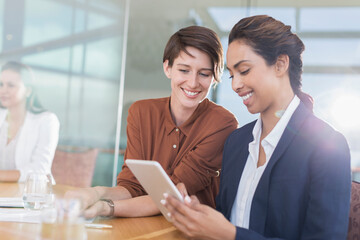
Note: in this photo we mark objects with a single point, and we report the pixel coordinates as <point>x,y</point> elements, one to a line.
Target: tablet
<point>155,181</point>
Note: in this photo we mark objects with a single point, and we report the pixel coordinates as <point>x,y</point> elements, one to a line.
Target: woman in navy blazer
<point>295,184</point>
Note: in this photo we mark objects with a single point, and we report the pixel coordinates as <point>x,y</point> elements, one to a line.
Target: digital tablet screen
<point>154,180</point>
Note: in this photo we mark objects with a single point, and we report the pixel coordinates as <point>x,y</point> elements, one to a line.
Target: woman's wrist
<point>97,194</point>
<point>230,232</point>
<point>9,175</point>
<point>107,207</point>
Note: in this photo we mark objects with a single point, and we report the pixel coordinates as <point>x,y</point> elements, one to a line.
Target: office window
<point>332,52</point>
<point>329,19</point>
<point>1,17</point>
<point>75,51</point>
<point>331,63</point>
<point>226,17</point>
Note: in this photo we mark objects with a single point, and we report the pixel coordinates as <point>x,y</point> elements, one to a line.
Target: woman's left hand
<point>199,221</point>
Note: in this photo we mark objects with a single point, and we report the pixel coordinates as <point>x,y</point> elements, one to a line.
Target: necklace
<point>279,113</point>
<point>9,135</point>
<point>8,127</point>
<point>14,126</point>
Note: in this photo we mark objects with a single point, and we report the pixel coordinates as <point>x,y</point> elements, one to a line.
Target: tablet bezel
<point>155,181</point>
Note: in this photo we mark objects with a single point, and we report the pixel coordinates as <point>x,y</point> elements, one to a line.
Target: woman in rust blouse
<point>184,132</point>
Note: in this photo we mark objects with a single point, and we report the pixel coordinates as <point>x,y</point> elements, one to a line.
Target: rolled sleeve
<point>126,178</point>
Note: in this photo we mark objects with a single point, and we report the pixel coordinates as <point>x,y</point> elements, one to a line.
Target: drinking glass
<point>63,222</point>
<point>37,191</point>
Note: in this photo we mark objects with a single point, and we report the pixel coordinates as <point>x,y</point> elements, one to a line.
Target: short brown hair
<point>201,38</point>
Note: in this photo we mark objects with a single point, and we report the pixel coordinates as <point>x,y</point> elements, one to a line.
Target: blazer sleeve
<point>242,233</point>
<point>327,213</point>
<point>43,153</point>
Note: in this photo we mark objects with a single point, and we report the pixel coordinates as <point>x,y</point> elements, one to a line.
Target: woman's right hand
<point>198,221</point>
<point>87,196</point>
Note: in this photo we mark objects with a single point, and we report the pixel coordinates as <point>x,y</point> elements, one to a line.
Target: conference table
<point>156,227</point>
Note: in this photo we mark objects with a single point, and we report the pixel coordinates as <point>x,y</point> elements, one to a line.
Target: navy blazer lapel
<point>260,200</point>
<point>238,166</point>
<point>237,156</point>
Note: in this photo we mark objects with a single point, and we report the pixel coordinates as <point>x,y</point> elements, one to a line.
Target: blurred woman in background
<point>28,133</point>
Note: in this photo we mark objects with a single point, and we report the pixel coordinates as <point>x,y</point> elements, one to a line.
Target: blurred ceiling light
<point>345,111</point>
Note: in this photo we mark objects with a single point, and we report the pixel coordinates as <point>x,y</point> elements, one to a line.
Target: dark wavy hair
<point>271,38</point>
<point>201,38</point>
<point>32,102</point>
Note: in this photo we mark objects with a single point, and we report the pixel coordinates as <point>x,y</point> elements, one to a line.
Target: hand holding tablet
<point>155,181</point>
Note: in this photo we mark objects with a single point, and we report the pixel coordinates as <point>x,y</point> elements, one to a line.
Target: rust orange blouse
<point>190,153</point>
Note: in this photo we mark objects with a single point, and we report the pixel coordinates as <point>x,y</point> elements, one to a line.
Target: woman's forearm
<point>9,175</point>
<point>136,207</point>
<point>113,193</point>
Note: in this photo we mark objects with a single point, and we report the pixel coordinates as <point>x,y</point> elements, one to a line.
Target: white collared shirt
<point>240,212</point>
<point>7,150</point>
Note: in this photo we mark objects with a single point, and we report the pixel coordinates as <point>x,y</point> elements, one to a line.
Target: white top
<point>240,212</point>
<point>36,142</point>
<point>7,150</point>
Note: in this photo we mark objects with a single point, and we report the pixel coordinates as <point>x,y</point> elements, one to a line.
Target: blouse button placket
<point>177,131</point>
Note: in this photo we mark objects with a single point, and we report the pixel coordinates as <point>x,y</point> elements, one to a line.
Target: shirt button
<point>174,146</point>
<point>177,129</point>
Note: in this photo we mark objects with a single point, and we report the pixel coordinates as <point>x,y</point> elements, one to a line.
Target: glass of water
<point>63,222</point>
<point>37,191</point>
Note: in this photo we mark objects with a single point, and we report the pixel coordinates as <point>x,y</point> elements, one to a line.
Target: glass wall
<point>331,63</point>
<point>74,49</point>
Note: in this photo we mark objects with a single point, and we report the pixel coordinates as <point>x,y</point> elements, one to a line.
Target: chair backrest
<point>74,168</point>
<point>354,219</point>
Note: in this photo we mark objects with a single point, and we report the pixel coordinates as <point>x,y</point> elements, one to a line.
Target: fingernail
<point>163,201</point>
<point>165,195</point>
<point>187,199</point>
<point>169,214</point>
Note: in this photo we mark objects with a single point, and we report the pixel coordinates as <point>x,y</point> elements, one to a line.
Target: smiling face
<point>191,78</point>
<point>253,80</point>
<point>12,89</point>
